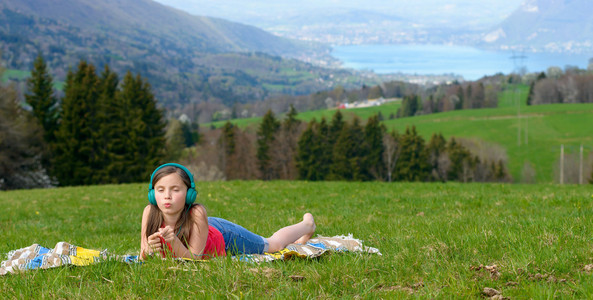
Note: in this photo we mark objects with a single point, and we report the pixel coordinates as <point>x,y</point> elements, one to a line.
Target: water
<point>471,63</point>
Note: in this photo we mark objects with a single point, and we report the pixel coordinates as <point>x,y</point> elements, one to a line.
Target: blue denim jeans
<point>237,239</point>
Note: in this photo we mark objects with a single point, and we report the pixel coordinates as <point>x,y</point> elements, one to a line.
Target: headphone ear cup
<point>151,197</point>
<point>191,196</point>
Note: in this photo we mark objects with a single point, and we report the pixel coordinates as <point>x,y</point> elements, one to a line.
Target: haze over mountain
<point>355,22</point>
<point>528,25</point>
<point>546,25</point>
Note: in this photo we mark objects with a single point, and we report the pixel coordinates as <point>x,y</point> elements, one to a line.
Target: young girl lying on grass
<point>173,224</point>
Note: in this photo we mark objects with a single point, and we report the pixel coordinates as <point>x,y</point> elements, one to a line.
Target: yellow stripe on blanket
<point>84,257</point>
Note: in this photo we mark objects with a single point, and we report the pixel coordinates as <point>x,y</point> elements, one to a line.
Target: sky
<point>487,12</point>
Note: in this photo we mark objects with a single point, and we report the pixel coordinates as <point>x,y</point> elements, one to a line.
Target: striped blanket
<point>63,254</point>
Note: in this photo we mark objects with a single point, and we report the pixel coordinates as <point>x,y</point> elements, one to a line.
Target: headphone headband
<point>191,191</point>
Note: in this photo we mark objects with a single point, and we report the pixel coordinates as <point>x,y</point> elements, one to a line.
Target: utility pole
<point>526,130</point>
<point>562,164</point>
<point>581,167</point>
<point>518,123</point>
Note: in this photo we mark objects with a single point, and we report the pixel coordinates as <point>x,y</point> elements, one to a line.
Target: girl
<point>173,223</point>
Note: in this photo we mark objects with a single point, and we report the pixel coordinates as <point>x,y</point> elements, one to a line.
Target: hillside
<point>187,59</point>
<point>546,127</point>
<point>548,25</point>
<point>149,20</point>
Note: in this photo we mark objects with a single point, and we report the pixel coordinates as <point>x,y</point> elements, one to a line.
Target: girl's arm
<point>197,236</point>
<point>149,245</point>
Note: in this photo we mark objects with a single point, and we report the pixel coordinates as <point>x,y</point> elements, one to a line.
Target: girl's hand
<point>168,234</point>
<point>154,243</point>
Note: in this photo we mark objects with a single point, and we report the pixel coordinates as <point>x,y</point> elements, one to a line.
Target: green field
<point>438,241</point>
<point>18,75</point>
<point>530,134</point>
<point>363,113</point>
<point>535,137</point>
<point>14,74</point>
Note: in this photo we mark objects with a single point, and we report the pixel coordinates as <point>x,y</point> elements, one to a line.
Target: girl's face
<point>170,193</point>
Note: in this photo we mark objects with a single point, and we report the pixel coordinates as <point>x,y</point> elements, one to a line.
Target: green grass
<point>433,237</point>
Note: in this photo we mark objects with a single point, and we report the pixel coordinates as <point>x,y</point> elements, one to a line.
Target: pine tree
<point>501,174</point>
<point>40,96</point>
<point>335,127</point>
<point>409,106</point>
<point>265,136</point>
<point>340,168</point>
<point>322,150</point>
<point>75,149</point>
<point>373,136</point>
<point>42,99</point>
<point>360,153</point>
<point>530,94</point>
<point>291,121</point>
<point>305,155</point>
<point>435,148</point>
<point>350,154</point>
<point>461,96</point>
<point>328,136</point>
<point>468,100</point>
<point>111,134</point>
<point>413,161</point>
<point>145,126</point>
<point>459,157</point>
<point>191,134</point>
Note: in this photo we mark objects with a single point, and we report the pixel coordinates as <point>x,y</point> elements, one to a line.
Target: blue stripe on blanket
<point>34,263</point>
<point>318,245</point>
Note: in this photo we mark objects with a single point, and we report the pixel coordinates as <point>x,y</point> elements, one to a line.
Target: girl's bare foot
<point>310,222</point>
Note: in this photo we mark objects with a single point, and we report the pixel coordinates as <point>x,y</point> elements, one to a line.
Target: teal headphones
<point>191,195</point>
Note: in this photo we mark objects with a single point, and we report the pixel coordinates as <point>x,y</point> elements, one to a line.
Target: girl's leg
<point>298,233</point>
<point>237,239</point>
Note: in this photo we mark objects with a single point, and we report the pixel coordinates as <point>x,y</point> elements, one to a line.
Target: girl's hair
<point>155,216</point>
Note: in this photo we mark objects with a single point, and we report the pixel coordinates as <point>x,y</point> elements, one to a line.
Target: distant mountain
<point>149,19</point>
<point>188,59</point>
<point>546,25</point>
<point>360,22</point>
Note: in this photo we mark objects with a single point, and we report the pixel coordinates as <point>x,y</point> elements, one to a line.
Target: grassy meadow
<point>438,241</point>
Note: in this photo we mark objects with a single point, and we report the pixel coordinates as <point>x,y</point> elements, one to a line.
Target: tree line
<point>103,130</point>
<point>290,149</point>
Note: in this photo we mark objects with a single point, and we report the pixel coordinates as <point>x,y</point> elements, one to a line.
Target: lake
<point>469,62</point>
